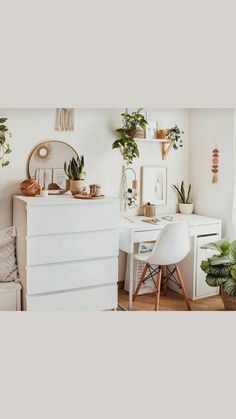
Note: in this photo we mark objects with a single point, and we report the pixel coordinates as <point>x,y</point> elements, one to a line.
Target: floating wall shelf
<point>165,144</point>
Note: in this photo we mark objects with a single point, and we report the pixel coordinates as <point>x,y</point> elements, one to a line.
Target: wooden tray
<point>79,196</point>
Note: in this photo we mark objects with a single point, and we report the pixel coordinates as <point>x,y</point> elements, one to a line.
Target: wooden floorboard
<point>171,302</point>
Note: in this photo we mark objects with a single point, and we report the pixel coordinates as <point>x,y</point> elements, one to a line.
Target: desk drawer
<point>71,247</point>
<point>144,236</point>
<point>207,229</point>
<point>95,298</point>
<point>67,276</point>
<point>51,219</point>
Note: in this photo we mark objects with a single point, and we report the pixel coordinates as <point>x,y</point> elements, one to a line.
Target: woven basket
<point>229,302</point>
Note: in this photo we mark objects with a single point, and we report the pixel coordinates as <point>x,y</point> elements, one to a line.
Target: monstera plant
<point>4,145</point>
<point>220,269</point>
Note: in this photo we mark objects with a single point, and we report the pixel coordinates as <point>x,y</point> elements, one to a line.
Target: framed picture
<point>154,185</point>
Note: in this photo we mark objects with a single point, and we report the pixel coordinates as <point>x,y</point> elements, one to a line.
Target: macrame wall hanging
<point>65,119</point>
<point>215,164</point>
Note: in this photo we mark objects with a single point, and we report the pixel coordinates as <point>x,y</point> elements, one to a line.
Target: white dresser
<point>67,252</point>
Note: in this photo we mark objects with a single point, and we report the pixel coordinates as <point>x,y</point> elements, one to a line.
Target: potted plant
<point>220,270</point>
<point>4,145</point>
<point>174,135</point>
<point>75,173</point>
<point>132,123</point>
<point>185,206</point>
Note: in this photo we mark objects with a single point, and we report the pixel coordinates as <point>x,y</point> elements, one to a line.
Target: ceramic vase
<point>186,208</point>
<point>76,186</point>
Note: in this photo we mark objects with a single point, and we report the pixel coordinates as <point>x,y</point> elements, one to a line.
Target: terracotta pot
<point>76,186</point>
<point>186,208</point>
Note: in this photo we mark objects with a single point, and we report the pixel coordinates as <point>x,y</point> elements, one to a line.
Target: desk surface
<point>137,223</point>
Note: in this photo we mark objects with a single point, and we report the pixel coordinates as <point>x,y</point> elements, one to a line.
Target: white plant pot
<point>186,208</point>
<point>76,186</point>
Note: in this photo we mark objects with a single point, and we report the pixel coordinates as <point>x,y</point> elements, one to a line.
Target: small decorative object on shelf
<point>215,164</point>
<point>76,174</point>
<point>133,124</point>
<point>220,270</point>
<point>162,134</point>
<point>30,187</point>
<point>185,206</point>
<point>5,148</point>
<point>151,130</point>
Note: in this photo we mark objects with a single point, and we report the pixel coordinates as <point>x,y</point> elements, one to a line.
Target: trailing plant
<point>126,143</point>
<point>220,269</point>
<point>174,135</point>
<point>75,168</point>
<point>4,145</point>
<point>182,194</point>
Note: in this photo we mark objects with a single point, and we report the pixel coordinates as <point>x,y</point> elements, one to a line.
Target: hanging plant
<point>126,143</point>
<point>4,145</point>
<point>174,135</point>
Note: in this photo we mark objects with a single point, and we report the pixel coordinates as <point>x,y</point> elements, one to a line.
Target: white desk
<point>202,230</point>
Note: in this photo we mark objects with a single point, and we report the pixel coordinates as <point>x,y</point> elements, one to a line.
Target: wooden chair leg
<point>158,285</point>
<point>181,282</point>
<point>164,270</point>
<point>140,281</point>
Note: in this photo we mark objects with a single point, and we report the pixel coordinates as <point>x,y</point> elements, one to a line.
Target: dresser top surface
<point>61,200</point>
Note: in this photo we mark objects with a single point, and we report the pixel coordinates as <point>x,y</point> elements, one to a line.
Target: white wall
<point>93,137</point>
<point>210,128</point>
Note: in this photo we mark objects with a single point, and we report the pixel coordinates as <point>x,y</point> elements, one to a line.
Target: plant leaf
<point>213,281</point>
<point>230,287</point>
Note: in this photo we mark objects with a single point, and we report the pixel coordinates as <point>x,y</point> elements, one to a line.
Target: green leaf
<point>213,281</point>
<point>232,251</point>
<point>183,192</point>
<point>219,260</point>
<point>6,163</point>
<point>230,287</point>
<point>233,271</point>
<point>221,246</point>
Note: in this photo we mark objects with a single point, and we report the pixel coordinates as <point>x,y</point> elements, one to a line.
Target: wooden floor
<point>171,302</point>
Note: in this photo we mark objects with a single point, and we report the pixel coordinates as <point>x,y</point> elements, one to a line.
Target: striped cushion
<point>8,268</point>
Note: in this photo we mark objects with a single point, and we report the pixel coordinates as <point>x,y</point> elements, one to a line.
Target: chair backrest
<point>172,245</point>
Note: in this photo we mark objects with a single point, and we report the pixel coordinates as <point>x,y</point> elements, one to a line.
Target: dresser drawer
<point>71,247</point>
<point>51,219</point>
<point>66,276</point>
<point>95,298</point>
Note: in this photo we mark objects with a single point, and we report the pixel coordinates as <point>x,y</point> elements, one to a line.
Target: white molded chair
<point>172,245</point>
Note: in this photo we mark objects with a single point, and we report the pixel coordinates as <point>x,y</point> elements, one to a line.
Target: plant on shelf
<point>174,135</point>
<point>75,173</point>
<point>126,143</point>
<point>185,206</point>
<point>220,270</point>
<point>4,145</point>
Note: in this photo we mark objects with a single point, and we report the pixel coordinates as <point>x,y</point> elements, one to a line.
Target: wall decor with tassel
<point>215,164</point>
<point>65,119</point>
